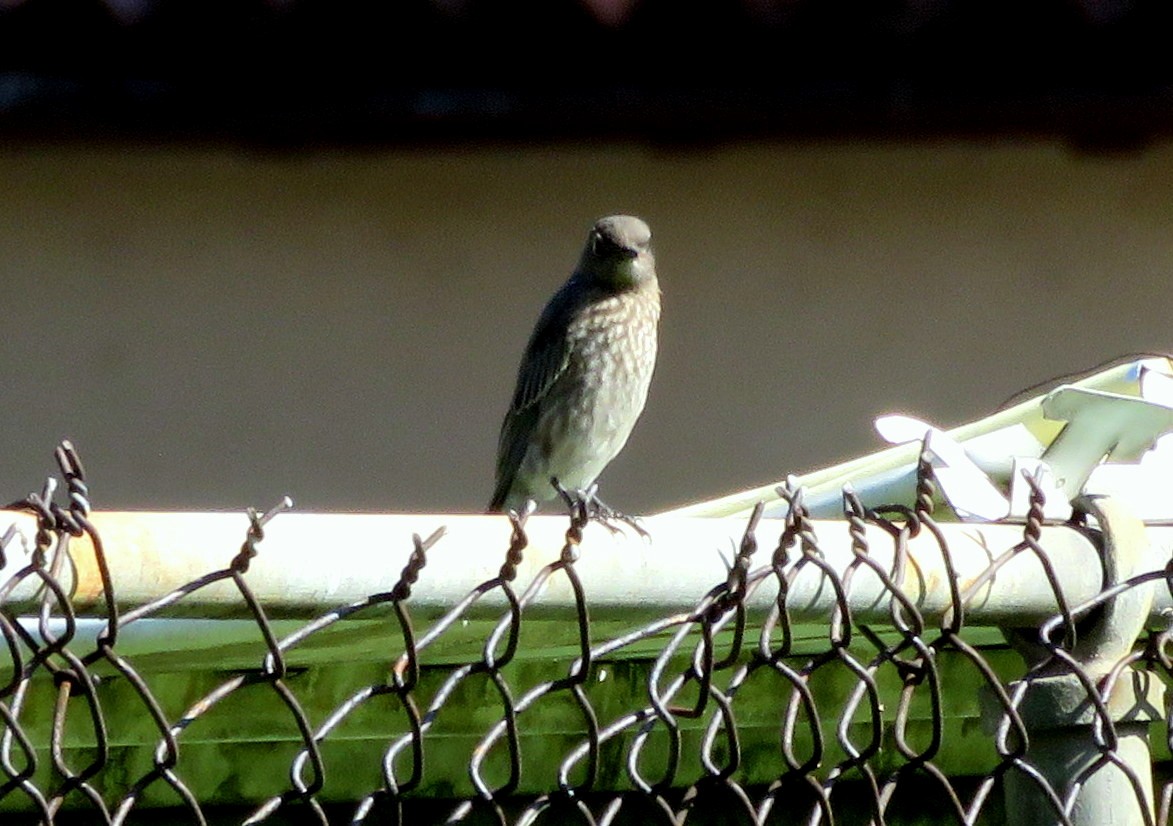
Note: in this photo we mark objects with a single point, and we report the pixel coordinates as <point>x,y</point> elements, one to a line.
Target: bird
<point>584,377</point>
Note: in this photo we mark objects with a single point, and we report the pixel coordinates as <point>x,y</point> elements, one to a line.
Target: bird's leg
<point>596,509</point>
<point>579,502</point>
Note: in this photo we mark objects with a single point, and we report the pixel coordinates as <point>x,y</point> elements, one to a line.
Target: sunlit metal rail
<point>312,562</point>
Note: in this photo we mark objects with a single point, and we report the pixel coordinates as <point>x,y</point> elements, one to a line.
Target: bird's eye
<point>602,245</point>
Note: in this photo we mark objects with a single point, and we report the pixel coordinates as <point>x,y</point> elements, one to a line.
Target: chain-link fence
<point>892,668</point>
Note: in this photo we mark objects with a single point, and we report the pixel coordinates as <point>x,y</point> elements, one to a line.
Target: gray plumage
<point>585,373</point>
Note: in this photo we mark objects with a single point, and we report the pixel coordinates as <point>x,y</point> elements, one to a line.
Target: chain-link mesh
<point>721,714</point>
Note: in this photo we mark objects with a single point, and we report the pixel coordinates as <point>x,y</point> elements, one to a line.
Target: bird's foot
<point>588,503</point>
<point>607,515</point>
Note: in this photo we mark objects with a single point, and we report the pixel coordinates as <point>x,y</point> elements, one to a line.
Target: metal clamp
<point>1085,709</point>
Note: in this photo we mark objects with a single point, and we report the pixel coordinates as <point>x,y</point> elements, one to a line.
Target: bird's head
<point>618,253</point>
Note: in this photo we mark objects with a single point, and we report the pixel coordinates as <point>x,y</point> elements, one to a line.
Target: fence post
<point>1102,775</point>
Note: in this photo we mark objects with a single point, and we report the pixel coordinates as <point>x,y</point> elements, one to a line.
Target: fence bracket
<point>1101,774</point>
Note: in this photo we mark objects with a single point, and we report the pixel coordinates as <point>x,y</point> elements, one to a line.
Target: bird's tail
<point>497,505</point>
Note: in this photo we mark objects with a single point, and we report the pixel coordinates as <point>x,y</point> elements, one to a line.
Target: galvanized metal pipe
<point>309,562</point>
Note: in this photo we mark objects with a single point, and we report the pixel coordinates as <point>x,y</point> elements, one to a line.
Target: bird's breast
<point>613,353</point>
<point>590,411</point>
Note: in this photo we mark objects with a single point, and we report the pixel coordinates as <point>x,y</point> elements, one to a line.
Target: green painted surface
<point>240,750</point>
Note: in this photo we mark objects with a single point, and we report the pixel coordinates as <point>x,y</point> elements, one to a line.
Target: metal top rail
<point>308,563</point>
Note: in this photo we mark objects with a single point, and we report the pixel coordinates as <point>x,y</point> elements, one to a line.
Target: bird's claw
<point>607,516</point>
<point>596,510</point>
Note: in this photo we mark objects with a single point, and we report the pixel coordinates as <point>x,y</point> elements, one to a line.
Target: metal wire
<point>687,737</point>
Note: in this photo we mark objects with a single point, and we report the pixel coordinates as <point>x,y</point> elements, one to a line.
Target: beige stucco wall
<point>216,327</point>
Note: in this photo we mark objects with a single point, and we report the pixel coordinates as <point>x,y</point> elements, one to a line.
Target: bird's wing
<point>515,433</point>
<point>546,357</point>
